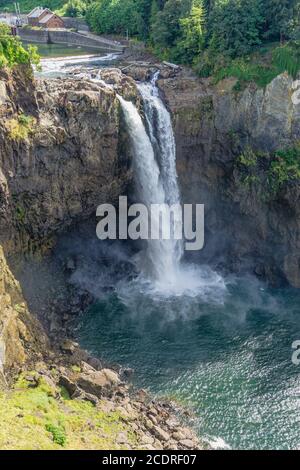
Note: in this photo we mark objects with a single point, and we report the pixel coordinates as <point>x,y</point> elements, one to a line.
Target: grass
<point>34,417</point>
<point>261,67</point>
<point>246,71</point>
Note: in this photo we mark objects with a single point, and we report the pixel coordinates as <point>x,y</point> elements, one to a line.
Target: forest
<point>249,39</point>
<point>210,35</point>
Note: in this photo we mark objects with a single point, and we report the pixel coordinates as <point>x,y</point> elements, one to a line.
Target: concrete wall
<point>34,35</point>
<point>67,37</point>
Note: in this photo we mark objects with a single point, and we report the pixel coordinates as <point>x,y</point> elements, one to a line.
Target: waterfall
<point>154,152</point>
<point>163,141</point>
<point>155,176</point>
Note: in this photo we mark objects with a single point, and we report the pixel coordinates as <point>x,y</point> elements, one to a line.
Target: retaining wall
<point>67,37</point>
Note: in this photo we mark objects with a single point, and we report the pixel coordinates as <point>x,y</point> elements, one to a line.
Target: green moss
<point>207,106</point>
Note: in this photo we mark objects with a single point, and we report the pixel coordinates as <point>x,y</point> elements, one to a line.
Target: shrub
<point>285,167</point>
<point>21,127</point>
<point>58,434</point>
<point>12,51</point>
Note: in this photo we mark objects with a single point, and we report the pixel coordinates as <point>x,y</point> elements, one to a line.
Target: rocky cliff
<point>60,156</point>
<point>225,148</point>
<point>21,337</point>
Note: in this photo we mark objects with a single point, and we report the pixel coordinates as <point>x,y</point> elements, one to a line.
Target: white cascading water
<point>163,141</point>
<point>161,260</point>
<point>156,181</point>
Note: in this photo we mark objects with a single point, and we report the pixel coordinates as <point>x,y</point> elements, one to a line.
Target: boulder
<point>188,444</point>
<point>69,346</point>
<point>69,384</point>
<point>98,382</point>
<point>160,433</point>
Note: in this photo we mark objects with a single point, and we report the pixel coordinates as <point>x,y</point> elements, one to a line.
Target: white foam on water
<point>65,64</point>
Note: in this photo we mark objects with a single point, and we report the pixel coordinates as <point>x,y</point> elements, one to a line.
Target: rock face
<point>21,336</point>
<point>60,157</point>
<point>213,127</point>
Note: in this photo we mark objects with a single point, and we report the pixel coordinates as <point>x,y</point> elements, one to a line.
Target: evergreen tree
<point>166,27</point>
<point>192,33</point>
<point>278,16</point>
<point>294,25</point>
<point>115,17</point>
<point>145,8</point>
<point>236,26</point>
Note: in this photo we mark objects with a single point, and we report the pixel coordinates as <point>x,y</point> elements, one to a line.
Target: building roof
<point>46,18</point>
<point>36,12</point>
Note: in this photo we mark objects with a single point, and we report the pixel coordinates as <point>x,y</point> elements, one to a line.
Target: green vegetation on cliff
<point>12,52</point>
<point>273,171</point>
<point>20,128</point>
<point>35,415</point>
<point>260,67</point>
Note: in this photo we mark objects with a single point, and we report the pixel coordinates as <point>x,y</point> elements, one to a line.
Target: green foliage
<point>115,17</point>
<point>260,67</point>
<point>278,15</point>
<point>20,128</point>
<point>166,28</point>
<point>235,26</point>
<point>246,71</point>
<point>294,23</point>
<point>192,35</point>
<point>74,8</point>
<point>43,421</point>
<point>27,5</point>
<point>248,158</point>
<point>285,167</point>
<point>58,434</point>
<point>271,171</point>
<point>287,58</point>
<point>12,52</point>
<point>20,214</point>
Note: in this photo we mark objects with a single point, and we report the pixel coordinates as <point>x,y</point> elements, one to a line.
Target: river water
<point>222,346</point>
